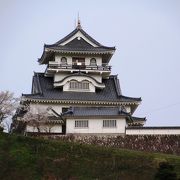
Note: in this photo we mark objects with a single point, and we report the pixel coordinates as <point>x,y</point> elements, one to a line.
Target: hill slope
<point>31,159</point>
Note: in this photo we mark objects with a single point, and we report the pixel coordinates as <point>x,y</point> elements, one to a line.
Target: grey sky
<point>146,34</point>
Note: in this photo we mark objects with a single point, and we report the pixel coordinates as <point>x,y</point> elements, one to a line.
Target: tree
<point>39,121</point>
<point>165,172</point>
<point>36,120</point>
<point>8,104</point>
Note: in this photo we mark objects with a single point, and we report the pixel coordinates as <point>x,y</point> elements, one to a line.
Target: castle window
<point>63,60</point>
<point>81,123</point>
<point>64,109</point>
<point>79,85</point>
<point>78,61</point>
<point>93,62</point>
<point>73,84</point>
<point>109,123</point>
<point>85,85</point>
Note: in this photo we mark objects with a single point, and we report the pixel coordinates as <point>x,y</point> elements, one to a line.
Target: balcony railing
<point>104,67</point>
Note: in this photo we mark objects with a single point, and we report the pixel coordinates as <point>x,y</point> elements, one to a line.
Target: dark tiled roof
<point>136,119</point>
<point>79,49</point>
<point>79,45</point>
<point>75,46</point>
<point>111,92</point>
<point>96,111</point>
<point>101,111</point>
<point>84,33</point>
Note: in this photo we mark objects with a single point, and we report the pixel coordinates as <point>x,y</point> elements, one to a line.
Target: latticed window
<point>73,84</point>
<point>93,62</point>
<point>81,123</point>
<point>63,60</point>
<point>79,85</point>
<point>84,85</point>
<point>109,123</point>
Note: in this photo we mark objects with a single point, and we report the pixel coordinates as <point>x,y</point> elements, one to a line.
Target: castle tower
<point>78,86</point>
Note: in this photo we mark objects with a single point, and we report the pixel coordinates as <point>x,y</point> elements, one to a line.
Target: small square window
<point>109,123</point>
<point>81,123</point>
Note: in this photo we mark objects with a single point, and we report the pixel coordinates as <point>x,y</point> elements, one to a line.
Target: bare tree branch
<point>8,104</point>
<point>39,121</point>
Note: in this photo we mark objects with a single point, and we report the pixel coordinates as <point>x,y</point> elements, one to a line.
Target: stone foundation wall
<point>151,143</point>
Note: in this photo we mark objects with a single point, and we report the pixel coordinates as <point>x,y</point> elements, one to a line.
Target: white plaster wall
<point>98,60</point>
<point>95,127</point>
<point>92,83</point>
<point>45,128</point>
<point>87,59</point>
<point>79,78</point>
<point>34,108</point>
<point>152,131</point>
<point>58,58</point>
<point>60,76</point>
<point>98,77</point>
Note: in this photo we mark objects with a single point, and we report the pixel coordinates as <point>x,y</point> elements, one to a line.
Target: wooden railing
<point>85,67</point>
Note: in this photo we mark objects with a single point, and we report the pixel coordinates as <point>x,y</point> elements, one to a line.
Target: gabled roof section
<point>36,85</point>
<point>73,33</point>
<point>78,41</point>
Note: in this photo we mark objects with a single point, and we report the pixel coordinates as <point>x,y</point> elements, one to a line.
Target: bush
<point>165,172</point>
<point>1,129</point>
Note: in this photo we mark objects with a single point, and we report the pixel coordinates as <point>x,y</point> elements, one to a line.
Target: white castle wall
<point>87,59</point>
<point>35,108</point>
<point>155,131</point>
<point>58,59</point>
<point>98,60</point>
<point>95,127</point>
<point>45,128</point>
<point>61,76</point>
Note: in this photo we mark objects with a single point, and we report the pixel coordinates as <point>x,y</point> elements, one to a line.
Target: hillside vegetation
<point>34,158</point>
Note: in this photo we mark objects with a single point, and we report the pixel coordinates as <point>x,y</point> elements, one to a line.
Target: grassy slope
<point>28,158</point>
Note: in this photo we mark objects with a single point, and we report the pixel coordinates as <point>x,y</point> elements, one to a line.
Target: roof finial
<point>79,23</point>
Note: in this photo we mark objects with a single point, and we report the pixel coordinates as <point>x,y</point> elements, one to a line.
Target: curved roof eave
<point>101,85</point>
<point>49,52</point>
<point>131,98</point>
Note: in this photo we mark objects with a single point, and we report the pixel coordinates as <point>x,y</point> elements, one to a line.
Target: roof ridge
<point>127,97</point>
<point>89,37</point>
<point>67,36</point>
<point>135,118</point>
<point>39,84</point>
<point>117,85</point>
<point>30,94</point>
<point>73,33</point>
<point>39,73</point>
<point>111,76</point>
